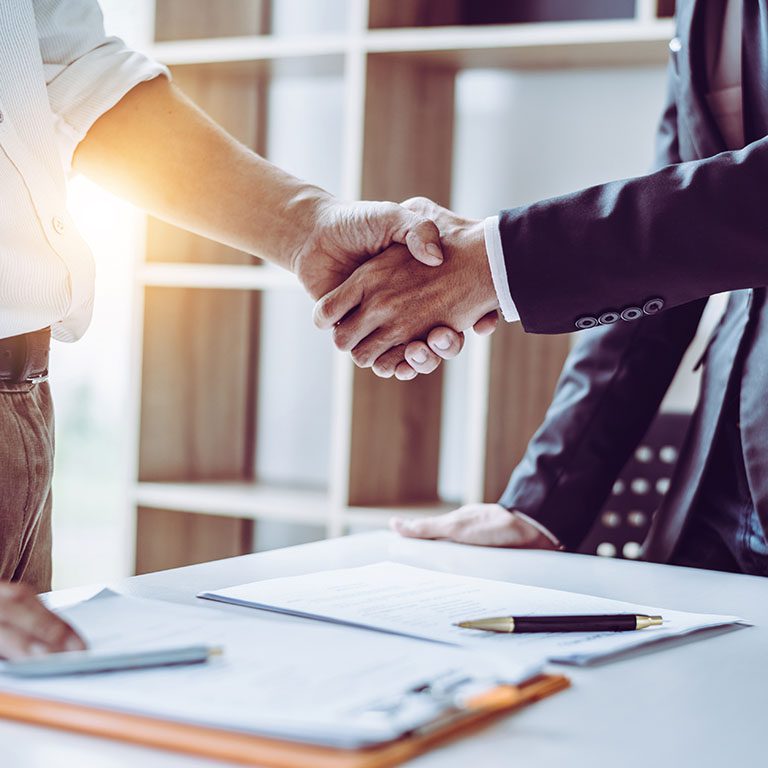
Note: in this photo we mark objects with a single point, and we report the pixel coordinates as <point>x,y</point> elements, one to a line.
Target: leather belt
<point>24,359</point>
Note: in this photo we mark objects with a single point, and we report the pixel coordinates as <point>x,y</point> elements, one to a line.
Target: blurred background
<point>483,105</point>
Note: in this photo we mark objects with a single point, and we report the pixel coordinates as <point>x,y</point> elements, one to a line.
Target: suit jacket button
<point>632,313</point>
<point>607,318</point>
<point>653,306</point>
<point>586,322</point>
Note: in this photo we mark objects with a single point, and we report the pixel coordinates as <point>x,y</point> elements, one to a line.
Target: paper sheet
<point>318,683</point>
<point>420,603</point>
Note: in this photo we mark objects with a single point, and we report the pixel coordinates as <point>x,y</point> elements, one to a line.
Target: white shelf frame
<point>630,42</point>
<point>575,39</point>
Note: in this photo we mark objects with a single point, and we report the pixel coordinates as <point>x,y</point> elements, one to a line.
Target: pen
<point>618,622</point>
<point>92,662</point>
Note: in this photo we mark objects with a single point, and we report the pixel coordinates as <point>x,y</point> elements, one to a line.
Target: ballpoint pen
<point>619,622</point>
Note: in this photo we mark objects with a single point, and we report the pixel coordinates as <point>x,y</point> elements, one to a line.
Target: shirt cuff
<point>498,266</point>
<point>545,532</point>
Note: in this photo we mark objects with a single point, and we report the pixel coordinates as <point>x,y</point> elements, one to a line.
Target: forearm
<point>685,232</point>
<point>158,150</point>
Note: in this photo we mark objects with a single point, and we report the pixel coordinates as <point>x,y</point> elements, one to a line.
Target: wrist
<point>484,296</point>
<point>305,209</point>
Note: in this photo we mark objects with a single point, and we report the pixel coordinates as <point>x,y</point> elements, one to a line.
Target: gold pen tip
<point>216,651</point>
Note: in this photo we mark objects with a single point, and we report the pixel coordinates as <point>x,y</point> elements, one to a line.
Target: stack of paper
<point>315,683</point>
<point>410,601</point>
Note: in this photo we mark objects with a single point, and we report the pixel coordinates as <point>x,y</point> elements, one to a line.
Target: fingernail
<point>38,649</point>
<point>419,356</point>
<point>435,252</point>
<point>442,342</point>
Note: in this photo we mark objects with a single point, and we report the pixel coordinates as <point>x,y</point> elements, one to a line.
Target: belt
<point>24,359</point>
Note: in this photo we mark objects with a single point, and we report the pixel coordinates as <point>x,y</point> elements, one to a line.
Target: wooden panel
<point>188,19</point>
<point>524,371</point>
<point>198,385</point>
<point>169,539</point>
<point>414,13</point>
<point>235,98</point>
<point>408,144</point>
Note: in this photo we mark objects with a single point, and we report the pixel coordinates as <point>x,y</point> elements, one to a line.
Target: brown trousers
<point>26,470</point>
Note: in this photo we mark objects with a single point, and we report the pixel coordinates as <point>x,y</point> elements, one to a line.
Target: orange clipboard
<point>246,749</point>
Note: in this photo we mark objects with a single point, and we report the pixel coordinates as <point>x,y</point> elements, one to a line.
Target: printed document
<point>426,604</point>
<point>303,682</point>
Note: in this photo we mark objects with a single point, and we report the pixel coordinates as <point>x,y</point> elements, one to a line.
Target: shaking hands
<point>403,311</point>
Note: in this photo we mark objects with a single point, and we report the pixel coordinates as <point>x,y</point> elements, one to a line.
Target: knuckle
<point>361,356</point>
<point>341,337</point>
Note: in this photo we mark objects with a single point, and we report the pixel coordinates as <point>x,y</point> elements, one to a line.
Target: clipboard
<point>250,750</point>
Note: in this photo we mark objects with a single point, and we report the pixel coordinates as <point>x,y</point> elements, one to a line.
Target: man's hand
<point>29,629</point>
<point>487,525</point>
<point>406,361</point>
<point>345,235</point>
<point>396,300</point>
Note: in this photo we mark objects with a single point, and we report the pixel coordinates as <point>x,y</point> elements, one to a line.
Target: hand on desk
<point>27,628</point>
<point>392,300</point>
<point>487,525</point>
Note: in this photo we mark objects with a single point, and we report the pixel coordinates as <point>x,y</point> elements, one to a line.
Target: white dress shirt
<point>59,73</point>
<point>725,102</point>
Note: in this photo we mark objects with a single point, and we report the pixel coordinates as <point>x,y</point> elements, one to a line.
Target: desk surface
<point>697,703</point>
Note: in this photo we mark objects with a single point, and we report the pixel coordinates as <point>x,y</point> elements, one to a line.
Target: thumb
<point>419,234</point>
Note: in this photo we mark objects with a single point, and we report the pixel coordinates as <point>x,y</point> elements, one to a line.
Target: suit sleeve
<point>609,391</point>
<point>684,232</point>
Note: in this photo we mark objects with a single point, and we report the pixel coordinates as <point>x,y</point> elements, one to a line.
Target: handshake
<point>397,284</point>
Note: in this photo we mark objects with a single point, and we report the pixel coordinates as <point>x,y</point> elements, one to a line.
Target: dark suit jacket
<point>665,241</point>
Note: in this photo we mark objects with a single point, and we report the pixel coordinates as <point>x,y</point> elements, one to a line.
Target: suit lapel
<point>692,19</point>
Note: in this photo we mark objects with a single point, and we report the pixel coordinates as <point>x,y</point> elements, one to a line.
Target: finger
<point>24,614</point>
<point>17,645</point>
<point>445,342</point>
<point>372,343</point>
<point>436,527</point>
<point>356,334</point>
<point>421,358</point>
<point>419,233</point>
<point>425,207</point>
<point>486,325</point>
<point>334,306</point>
<point>423,241</point>
<point>384,365</point>
<point>404,372</point>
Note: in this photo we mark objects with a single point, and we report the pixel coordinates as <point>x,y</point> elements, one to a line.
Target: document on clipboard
<point>312,683</point>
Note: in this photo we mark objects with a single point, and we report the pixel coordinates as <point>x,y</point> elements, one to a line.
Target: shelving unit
<point>201,306</point>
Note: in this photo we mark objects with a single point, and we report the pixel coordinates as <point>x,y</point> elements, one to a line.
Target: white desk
<point>699,703</point>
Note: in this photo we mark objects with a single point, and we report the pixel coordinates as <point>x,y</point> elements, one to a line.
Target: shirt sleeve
<point>498,266</point>
<point>86,72</point>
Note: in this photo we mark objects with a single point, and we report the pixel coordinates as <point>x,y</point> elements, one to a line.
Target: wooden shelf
<point>259,502</point>
<point>243,500</point>
<point>227,276</point>
<point>383,446</point>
